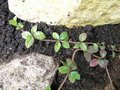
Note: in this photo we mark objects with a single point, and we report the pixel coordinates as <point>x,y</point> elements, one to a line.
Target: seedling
<point>15,23</point>
<point>69,67</point>
<point>81,44</point>
<point>62,38</point>
<point>30,36</point>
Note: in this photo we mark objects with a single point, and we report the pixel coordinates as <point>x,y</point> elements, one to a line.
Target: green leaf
<point>29,41</point>
<point>77,45</point>
<point>64,36</point>
<point>83,46</point>
<point>34,29</point>
<point>102,47</point>
<point>71,64</point>
<point>13,22</point>
<point>48,87</point>
<point>69,61</point>
<point>103,53</point>
<point>39,35</point>
<point>19,26</point>
<point>74,75</point>
<point>66,44</point>
<point>55,35</point>
<point>25,34</point>
<point>82,37</point>
<point>63,69</point>
<point>96,48</point>
<point>57,46</point>
<point>72,80</point>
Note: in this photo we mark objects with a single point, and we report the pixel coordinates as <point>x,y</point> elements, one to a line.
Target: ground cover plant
<point>94,53</point>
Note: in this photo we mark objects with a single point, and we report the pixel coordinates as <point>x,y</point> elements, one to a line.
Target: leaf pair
<point>101,63</point>
<point>81,44</point>
<point>67,67</point>
<point>29,37</point>
<point>91,49</point>
<point>14,22</point>
<point>63,37</point>
<point>39,35</point>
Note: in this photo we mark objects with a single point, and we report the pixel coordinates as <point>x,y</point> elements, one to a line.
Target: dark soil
<point>11,43</point>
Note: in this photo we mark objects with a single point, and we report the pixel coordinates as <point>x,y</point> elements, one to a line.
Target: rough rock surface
<point>67,12</point>
<point>29,72</point>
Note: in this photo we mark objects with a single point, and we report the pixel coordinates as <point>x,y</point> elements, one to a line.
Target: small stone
<point>29,72</point>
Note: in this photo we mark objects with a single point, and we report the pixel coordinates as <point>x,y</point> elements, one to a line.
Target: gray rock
<point>29,72</point>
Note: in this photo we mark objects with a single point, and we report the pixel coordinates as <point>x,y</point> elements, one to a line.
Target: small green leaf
<point>63,69</point>
<point>72,80</point>
<point>74,75</point>
<point>64,36</point>
<point>55,35</point>
<point>25,34</point>
<point>34,29</point>
<point>83,46</point>
<point>82,37</point>
<point>19,26</point>
<point>29,41</point>
<point>13,22</point>
<point>96,48</point>
<point>66,44</point>
<point>71,64</point>
<point>57,46</point>
<point>39,35</point>
<point>77,45</point>
<point>102,47</point>
<point>48,87</point>
<point>103,53</point>
<point>69,61</point>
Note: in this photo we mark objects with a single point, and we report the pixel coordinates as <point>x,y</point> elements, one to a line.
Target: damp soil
<point>11,43</point>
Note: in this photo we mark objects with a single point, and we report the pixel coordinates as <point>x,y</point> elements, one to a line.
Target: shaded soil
<point>11,43</point>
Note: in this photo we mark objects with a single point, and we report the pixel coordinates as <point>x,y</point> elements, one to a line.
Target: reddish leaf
<point>87,56</point>
<point>103,63</point>
<point>93,62</point>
